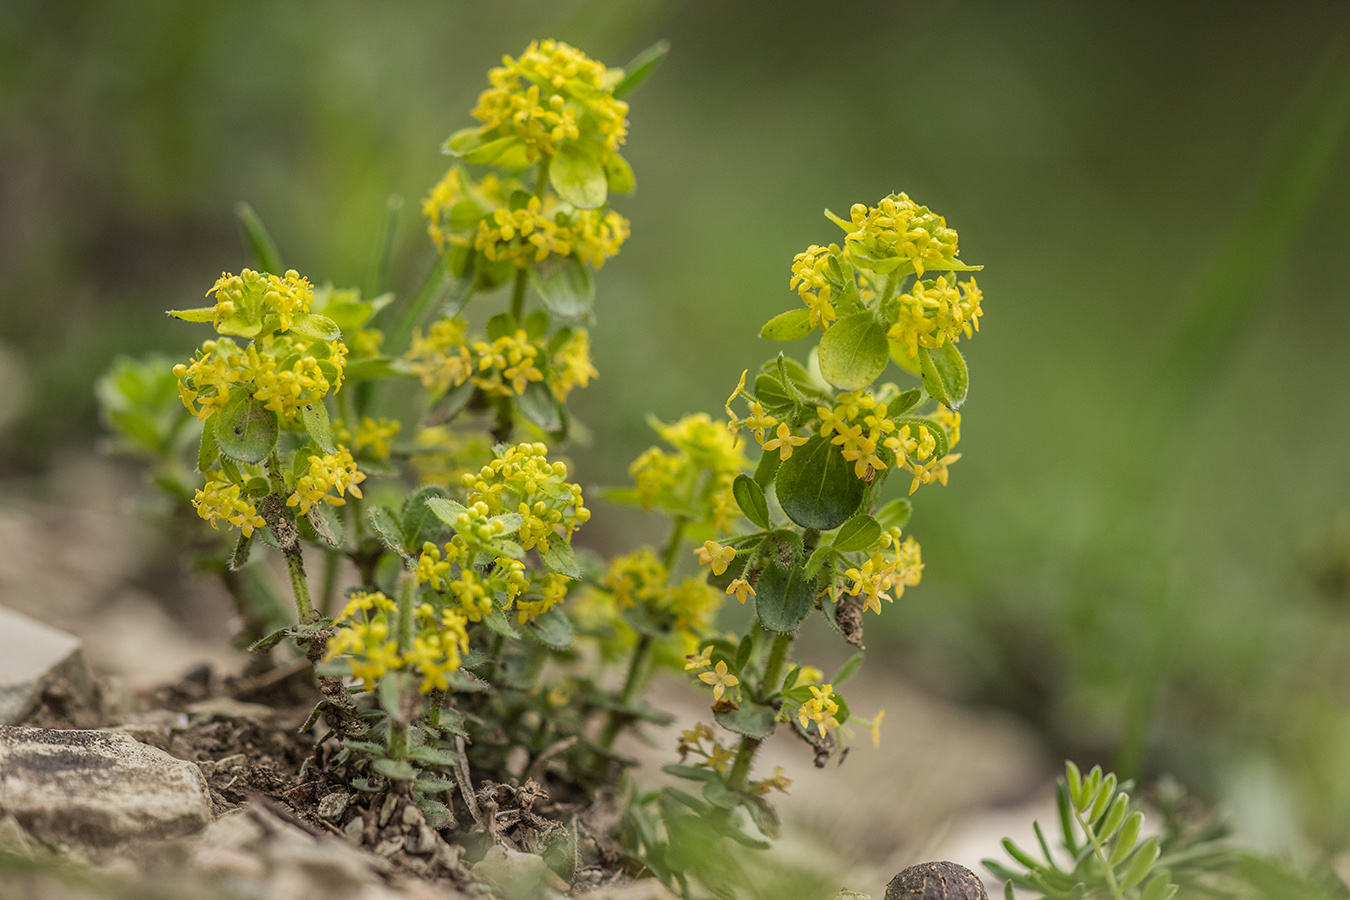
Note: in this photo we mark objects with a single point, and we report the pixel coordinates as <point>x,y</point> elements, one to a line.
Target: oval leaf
<point>552,628</point>
<point>619,174</point>
<point>245,430</point>
<point>753,720</point>
<point>816,486</point>
<point>315,416</point>
<point>560,558</point>
<point>895,514</point>
<point>209,450</point>
<point>784,595</point>
<point>858,533</point>
<point>386,526</point>
<point>538,405</point>
<point>318,328</point>
<point>944,374</point>
<point>789,326</point>
<point>578,177</point>
<point>564,286</point>
<point>853,352</point>
<point>750,497</point>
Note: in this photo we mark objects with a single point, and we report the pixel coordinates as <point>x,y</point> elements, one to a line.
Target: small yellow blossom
<point>718,758</point>
<point>220,499</point>
<point>720,679</point>
<point>332,471</point>
<point>700,660</point>
<point>759,421</point>
<point>740,587</point>
<point>820,709</point>
<point>779,782</point>
<point>783,442</point>
<point>714,554</point>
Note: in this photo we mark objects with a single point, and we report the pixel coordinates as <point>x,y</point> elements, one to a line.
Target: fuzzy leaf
<point>750,498</point>
<point>552,628</point>
<point>315,417</point>
<point>858,533</point>
<point>784,595</point>
<point>395,769</point>
<point>792,325</point>
<point>386,527</point>
<point>560,558</point>
<point>418,521</point>
<point>816,486</point>
<point>209,449</point>
<point>944,374</point>
<point>245,431</point>
<point>753,720</point>
<point>326,524</point>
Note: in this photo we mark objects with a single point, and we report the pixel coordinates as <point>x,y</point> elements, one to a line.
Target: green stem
<point>295,561</point>
<point>773,676</point>
<point>398,729</point>
<point>1101,857</point>
<point>673,545</point>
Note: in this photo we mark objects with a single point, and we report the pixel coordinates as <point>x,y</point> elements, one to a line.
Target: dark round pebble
<point>936,881</point>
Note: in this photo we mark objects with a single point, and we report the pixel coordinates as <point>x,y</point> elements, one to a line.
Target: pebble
<point>333,805</point>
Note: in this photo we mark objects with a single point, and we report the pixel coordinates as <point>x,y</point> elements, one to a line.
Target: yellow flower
<point>220,499</point>
<point>784,442</point>
<point>820,709</point>
<point>740,587</point>
<point>779,782</point>
<point>718,758</point>
<point>808,279</point>
<point>570,366</point>
<point>876,727</point>
<point>720,679</point>
<point>701,660</point>
<point>759,421</point>
<point>740,386</point>
<point>332,471</point>
<point>714,554</point>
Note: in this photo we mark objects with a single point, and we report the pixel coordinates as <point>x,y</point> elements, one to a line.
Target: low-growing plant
<point>418,443</point>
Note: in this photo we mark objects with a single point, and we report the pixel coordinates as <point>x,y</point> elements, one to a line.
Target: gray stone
<point>97,788</point>
<point>32,655</point>
<point>333,805</point>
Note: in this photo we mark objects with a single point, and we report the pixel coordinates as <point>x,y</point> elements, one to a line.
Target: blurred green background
<point>1145,550</point>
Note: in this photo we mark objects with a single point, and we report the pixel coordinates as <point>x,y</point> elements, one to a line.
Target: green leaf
<point>789,326</point>
<point>1160,887</point>
<point>560,558</point>
<point>315,417</point>
<point>209,449</point>
<point>395,769</point>
<point>775,397</point>
<point>577,175</point>
<point>497,622</point>
<point>944,374</point>
<point>490,152</point>
<point>501,325</point>
<point>753,720</point>
<point>564,285</point>
<point>436,813</point>
<point>539,406</point>
<point>197,314</point>
<point>719,795</point>
<point>246,431</point>
<point>265,252</point>
<point>318,328</point>
<point>445,509</point>
<point>784,595</point>
<point>767,468</point>
<point>433,756</point>
<point>326,524</point>
<point>750,497</point>
<point>816,486</point>
<point>848,668</point>
<point>858,533</point>
<point>904,402</point>
<point>417,521</point>
<point>641,68</point>
<point>619,175</point>
<point>895,514</point>
<point>1075,781</point>
<point>386,527</point>
<point>552,628</point>
<point>1140,864</point>
<point>1125,841</point>
<point>853,352</point>
<point>743,651</point>
<point>1115,817</point>
<point>690,773</point>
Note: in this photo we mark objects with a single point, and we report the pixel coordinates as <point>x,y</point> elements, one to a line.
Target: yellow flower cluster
<point>522,480</point>
<point>441,359</point>
<point>331,471</point>
<point>252,296</point>
<point>571,365</point>
<point>859,424</point>
<point>551,94</point>
<point>882,572</point>
<point>220,500</point>
<point>695,480</point>
<point>373,435</point>
<point>934,312</point>
<point>507,365</point>
<point>899,229</point>
<point>464,213</point>
<point>477,530</point>
<point>284,374</point>
<point>551,590</point>
<point>364,637</point>
<point>715,756</point>
<point>640,578</point>
<point>808,279</point>
<point>819,710</point>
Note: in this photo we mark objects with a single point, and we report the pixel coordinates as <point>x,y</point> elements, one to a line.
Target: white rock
<point>32,655</point>
<point>97,788</point>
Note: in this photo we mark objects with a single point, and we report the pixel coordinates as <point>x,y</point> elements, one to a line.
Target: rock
<point>33,655</point>
<point>333,805</point>
<point>936,881</point>
<point>645,889</point>
<point>519,876</point>
<point>97,788</point>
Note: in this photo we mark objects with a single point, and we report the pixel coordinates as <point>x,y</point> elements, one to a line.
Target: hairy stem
<point>283,529</point>
<point>773,676</point>
<point>398,727</point>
